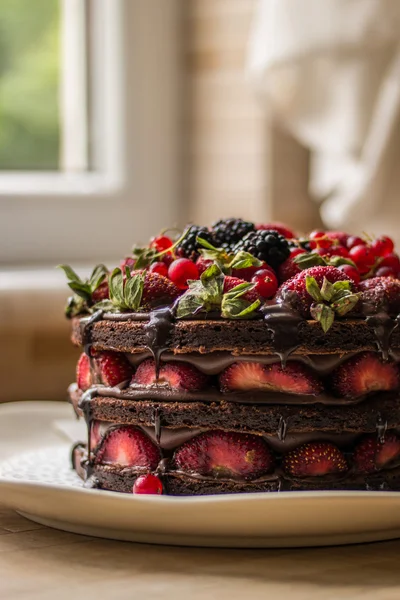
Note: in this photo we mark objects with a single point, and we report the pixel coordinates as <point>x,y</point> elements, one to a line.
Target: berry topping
<point>158,290</point>
<point>295,378</point>
<point>266,283</point>
<point>227,232</point>
<point>202,264</point>
<point>83,374</point>
<point>321,292</point>
<point>279,227</point>
<point>101,293</point>
<point>189,247</point>
<point>113,368</point>
<point>127,446</point>
<point>161,243</point>
<point>160,268</point>
<point>181,271</point>
<point>385,272</point>
<point>354,240</point>
<point>382,246</point>
<point>363,256</point>
<point>372,454</point>
<point>231,282</point>
<point>338,237</point>
<point>225,454</point>
<point>147,484</point>
<point>178,375</point>
<point>289,268</point>
<point>128,261</point>
<point>391,260</point>
<point>314,460</point>
<point>364,373</point>
<point>380,294</point>
<point>266,245</point>
<point>319,239</point>
<point>351,272</point>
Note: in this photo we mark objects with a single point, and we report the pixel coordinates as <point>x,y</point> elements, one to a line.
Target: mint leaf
<point>70,273</point>
<point>189,304</point>
<point>97,277</point>
<point>306,261</point>
<point>116,285</point>
<point>323,314</point>
<point>313,288</point>
<point>237,308</point>
<point>207,245</point>
<point>327,290</point>
<point>81,289</point>
<point>105,305</point>
<point>133,291</point>
<point>345,304</point>
<point>244,260</point>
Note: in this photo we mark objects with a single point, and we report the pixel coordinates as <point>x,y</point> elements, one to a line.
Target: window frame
<point>134,189</point>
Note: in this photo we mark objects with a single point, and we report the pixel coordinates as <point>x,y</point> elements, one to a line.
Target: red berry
<point>391,260</point>
<point>181,271</point>
<point>371,454</point>
<point>147,484</point>
<point>128,261</point>
<point>381,293</point>
<point>385,272</point>
<point>83,373</point>
<point>167,258</point>
<point>338,236</point>
<point>351,272</point>
<point>202,264</point>
<point>296,251</point>
<point>248,273</point>
<point>157,291</point>
<point>266,283</point>
<point>319,239</point>
<point>159,267</point>
<point>288,268</point>
<point>161,243</point>
<point>354,240</point>
<point>332,251</point>
<point>382,246</point>
<point>363,257</point>
<point>314,459</point>
<point>231,282</point>
<point>101,293</point>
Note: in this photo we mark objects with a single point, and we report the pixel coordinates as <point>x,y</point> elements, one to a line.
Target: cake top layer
<point>236,271</point>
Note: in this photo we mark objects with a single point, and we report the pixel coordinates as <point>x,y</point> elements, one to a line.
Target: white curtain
<point>330,70</point>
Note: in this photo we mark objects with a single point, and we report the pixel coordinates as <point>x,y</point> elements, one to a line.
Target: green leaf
<point>207,245</point>
<point>336,261</point>
<point>306,261</point>
<point>143,256</point>
<point>133,291</point>
<point>70,273</point>
<point>324,315</point>
<point>97,277</point>
<point>313,289</point>
<point>238,308</point>
<point>243,260</point>
<point>189,304</point>
<point>81,289</point>
<point>116,285</point>
<point>105,305</point>
<point>75,306</point>
<point>239,290</point>
<point>345,304</point>
<point>327,290</point>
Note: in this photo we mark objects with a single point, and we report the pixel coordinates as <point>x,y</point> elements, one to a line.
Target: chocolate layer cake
<point>240,358</point>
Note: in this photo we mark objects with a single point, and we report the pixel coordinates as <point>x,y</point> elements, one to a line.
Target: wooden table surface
<point>45,564</point>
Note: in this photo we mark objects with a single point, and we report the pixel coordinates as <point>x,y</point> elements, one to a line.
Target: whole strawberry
<point>320,293</point>
<point>231,282</point>
<point>158,290</point>
<point>380,294</point>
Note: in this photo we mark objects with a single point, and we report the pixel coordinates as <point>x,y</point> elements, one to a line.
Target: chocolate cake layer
<point>238,337</point>
<point>379,411</point>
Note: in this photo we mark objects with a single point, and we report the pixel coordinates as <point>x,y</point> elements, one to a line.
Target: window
<point>93,154</point>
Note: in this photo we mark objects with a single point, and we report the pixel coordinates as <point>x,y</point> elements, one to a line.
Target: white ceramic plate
<point>37,481</point>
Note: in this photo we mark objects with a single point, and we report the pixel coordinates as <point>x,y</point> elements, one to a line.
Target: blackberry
<point>267,245</point>
<point>189,248</point>
<point>227,232</point>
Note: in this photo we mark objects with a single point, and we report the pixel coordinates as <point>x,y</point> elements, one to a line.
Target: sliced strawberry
<point>127,446</point>
<point>231,282</point>
<point>225,454</point>
<point>372,455</point>
<point>83,373</point>
<point>364,373</point>
<point>178,375</point>
<point>113,368</point>
<point>158,290</point>
<point>295,378</point>
<point>313,460</point>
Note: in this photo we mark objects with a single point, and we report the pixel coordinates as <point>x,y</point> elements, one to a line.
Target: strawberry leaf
<point>327,290</point>
<point>116,285</point>
<point>323,314</point>
<point>237,308</point>
<point>133,291</point>
<point>306,261</point>
<point>189,304</point>
<point>81,289</point>
<point>336,261</point>
<point>345,303</point>
<point>97,277</point>
<point>243,260</point>
<point>313,288</point>
<point>70,273</point>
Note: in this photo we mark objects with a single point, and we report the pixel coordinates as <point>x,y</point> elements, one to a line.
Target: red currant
<point>248,273</point>
<point>181,270</point>
<point>333,251</point>
<point>351,272</point>
<point>296,251</point>
<point>391,260</point>
<point>363,257</point>
<point>160,268</point>
<point>167,258</point>
<point>354,240</point>
<point>382,246</point>
<point>266,283</point>
<point>129,261</point>
<point>161,243</point>
<point>147,484</point>
<point>319,239</point>
<point>385,272</point>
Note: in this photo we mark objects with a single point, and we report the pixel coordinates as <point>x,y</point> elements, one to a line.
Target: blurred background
<point>121,117</point>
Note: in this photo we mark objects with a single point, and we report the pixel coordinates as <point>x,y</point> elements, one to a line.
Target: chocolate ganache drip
<point>383,326</point>
<point>86,328</point>
<point>282,320</point>
<point>158,331</point>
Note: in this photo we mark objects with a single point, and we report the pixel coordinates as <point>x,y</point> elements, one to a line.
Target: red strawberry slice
<point>127,446</point>
<point>372,455</point>
<point>225,454</point>
<point>113,368</point>
<point>364,373</point>
<point>179,376</point>
<point>83,373</point>
<point>295,378</point>
<point>313,460</point>
<point>231,282</point>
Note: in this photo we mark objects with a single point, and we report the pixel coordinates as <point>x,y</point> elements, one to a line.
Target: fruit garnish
<point>127,446</point>
<point>290,268</point>
<point>266,283</point>
<point>112,367</point>
<point>161,243</point>
<point>225,454</point>
<point>189,247</point>
<point>363,374</point>
<point>380,294</point>
<point>322,293</point>
<point>159,267</point>
<point>382,246</point>
<point>363,257</point>
<point>83,372</point>
<point>279,227</point>
<point>147,484</point>
<point>177,375</point>
<point>83,288</point>
<point>295,378</point>
<point>181,271</point>
<point>267,245</point>
<point>372,454</point>
<point>351,272</point>
<point>227,232</point>
<point>314,460</point>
